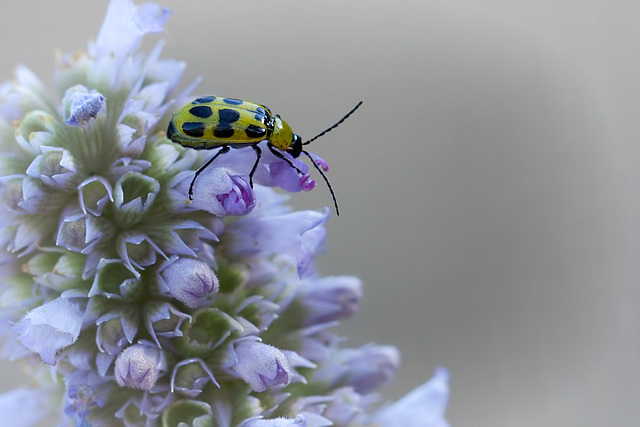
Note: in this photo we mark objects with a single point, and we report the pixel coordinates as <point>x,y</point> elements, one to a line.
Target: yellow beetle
<point>215,122</point>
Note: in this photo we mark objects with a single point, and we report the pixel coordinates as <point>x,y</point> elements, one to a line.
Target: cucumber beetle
<point>213,122</point>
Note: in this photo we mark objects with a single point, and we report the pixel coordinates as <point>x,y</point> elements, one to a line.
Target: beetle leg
<point>279,154</point>
<point>255,165</point>
<point>223,150</point>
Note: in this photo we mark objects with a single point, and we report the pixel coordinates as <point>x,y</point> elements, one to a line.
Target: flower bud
<point>189,280</point>
<point>345,407</point>
<point>84,105</point>
<point>371,366</point>
<point>331,298</point>
<point>139,366</point>
<point>260,365</point>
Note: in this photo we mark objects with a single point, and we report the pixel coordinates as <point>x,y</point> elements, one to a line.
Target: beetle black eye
<point>171,130</point>
<point>296,146</point>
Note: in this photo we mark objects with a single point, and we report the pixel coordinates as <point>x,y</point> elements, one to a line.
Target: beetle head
<point>296,146</point>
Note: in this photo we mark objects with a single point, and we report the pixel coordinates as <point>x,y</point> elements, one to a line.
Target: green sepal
<point>230,277</point>
<point>114,278</point>
<point>185,413</point>
<point>207,331</point>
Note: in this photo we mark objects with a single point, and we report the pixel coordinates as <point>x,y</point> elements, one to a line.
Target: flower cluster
<point>146,308</point>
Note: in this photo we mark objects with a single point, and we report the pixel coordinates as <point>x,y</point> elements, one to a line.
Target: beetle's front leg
<point>279,154</point>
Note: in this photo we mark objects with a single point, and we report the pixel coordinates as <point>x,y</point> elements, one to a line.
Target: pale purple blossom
<point>84,106</point>
<point>262,366</point>
<point>124,27</point>
<point>422,407</point>
<point>49,328</point>
<point>331,298</point>
<point>139,366</point>
<point>346,406</point>
<point>189,280</point>
<point>371,366</point>
<point>221,191</point>
<point>295,234</point>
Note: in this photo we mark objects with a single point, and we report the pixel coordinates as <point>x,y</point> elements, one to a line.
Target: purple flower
<point>81,400</point>
<point>371,366</point>
<point>84,392</point>
<point>262,366</point>
<point>272,171</point>
<point>124,27</point>
<point>346,407</point>
<point>331,298</point>
<point>189,280</point>
<point>49,328</point>
<point>220,191</point>
<point>297,235</point>
<point>84,106</point>
<point>139,367</point>
<point>423,407</point>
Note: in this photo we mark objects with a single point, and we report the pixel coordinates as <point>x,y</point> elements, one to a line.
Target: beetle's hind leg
<point>223,150</point>
<point>279,154</point>
<point>255,165</point>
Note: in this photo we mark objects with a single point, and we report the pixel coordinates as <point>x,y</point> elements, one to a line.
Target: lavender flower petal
<point>372,366</point>
<point>331,298</point>
<point>422,407</point>
<point>300,239</point>
<point>49,328</point>
<point>262,366</point>
<point>125,25</point>
<point>221,191</point>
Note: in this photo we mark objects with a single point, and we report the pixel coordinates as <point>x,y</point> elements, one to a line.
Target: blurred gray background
<point>489,185</point>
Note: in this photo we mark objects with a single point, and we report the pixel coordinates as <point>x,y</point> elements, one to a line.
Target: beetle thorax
<point>282,135</point>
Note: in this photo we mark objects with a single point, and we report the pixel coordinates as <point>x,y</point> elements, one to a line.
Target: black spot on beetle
<point>225,118</point>
<point>232,101</point>
<point>254,131</point>
<point>261,115</point>
<point>202,111</point>
<point>228,116</point>
<point>223,132</point>
<point>194,129</point>
<point>203,100</point>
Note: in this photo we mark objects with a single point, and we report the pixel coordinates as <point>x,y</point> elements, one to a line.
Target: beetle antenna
<point>319,169</point>
<point>330,129</point>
